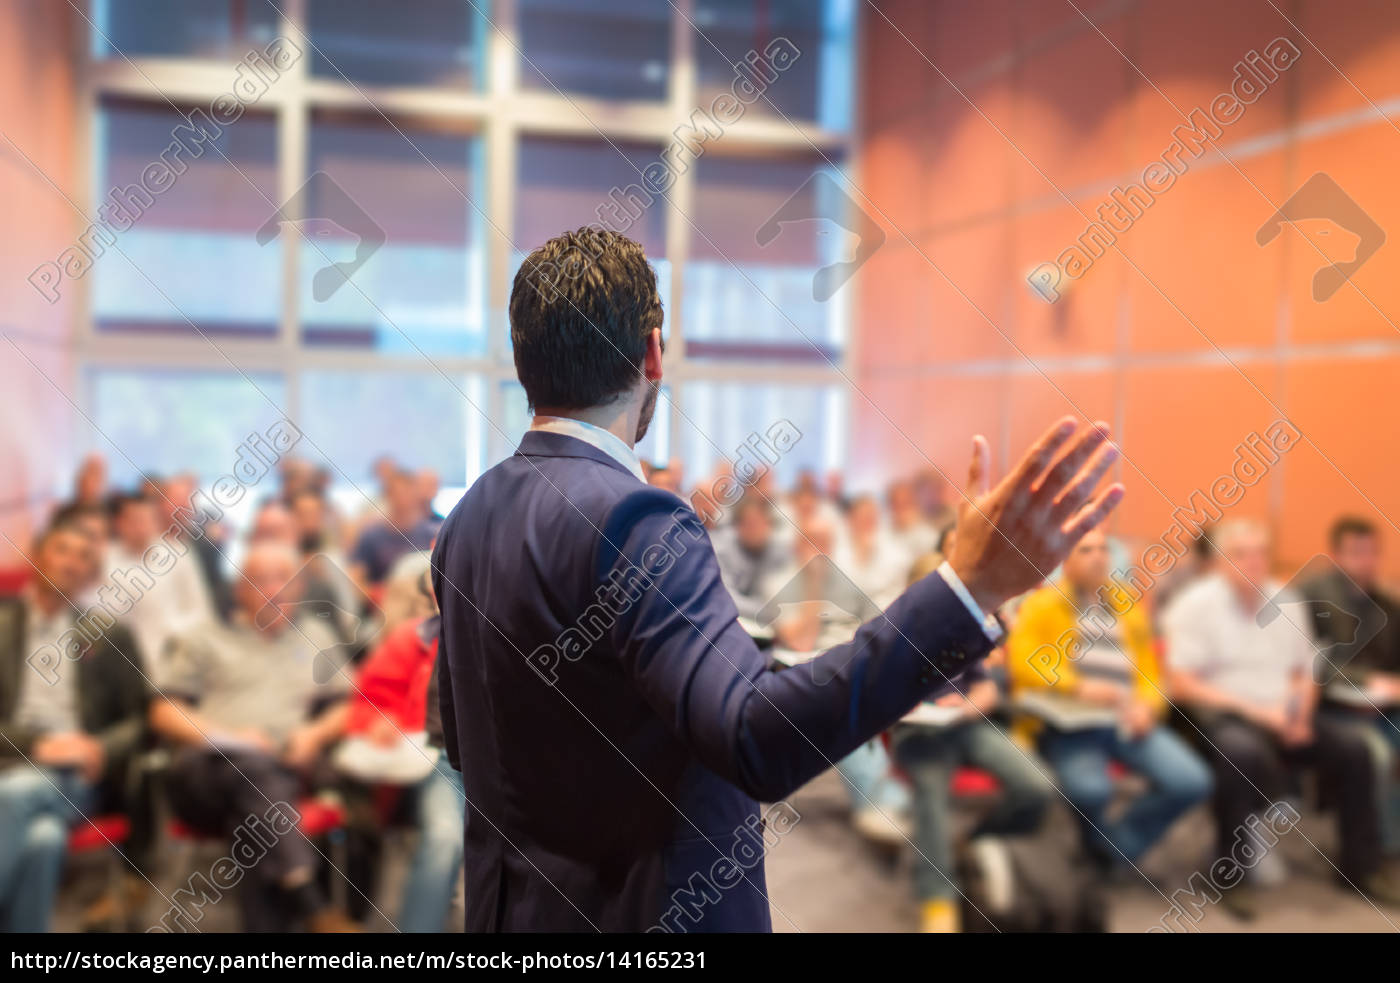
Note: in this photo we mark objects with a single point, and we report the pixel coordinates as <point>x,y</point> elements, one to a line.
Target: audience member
<point>958,733</point>
<point>1242,664</point>
<point>164,590</point>
<point>909,526</point>
<point>73,700</point>
<point>404,528</point>
<point>870,556</point>
<point>251,707</point>
<point>749,554</point>
<point>395,700</point>
<point>813,605</point>
<point>1083,663</point>
<point>1357,625</point>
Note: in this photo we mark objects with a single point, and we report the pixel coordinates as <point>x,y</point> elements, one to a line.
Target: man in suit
<point>73,699</point>
<point>613,724</point>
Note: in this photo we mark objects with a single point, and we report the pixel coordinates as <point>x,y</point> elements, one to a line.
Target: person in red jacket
<point>396,698</point>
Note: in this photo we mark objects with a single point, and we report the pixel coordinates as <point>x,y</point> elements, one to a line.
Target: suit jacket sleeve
<point>767,732</point>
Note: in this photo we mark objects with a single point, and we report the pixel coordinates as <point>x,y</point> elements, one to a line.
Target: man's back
<point>580,796</point>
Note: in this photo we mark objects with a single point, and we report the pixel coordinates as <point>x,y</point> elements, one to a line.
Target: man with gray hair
<point>1241,653</point>
<point>251,707</point>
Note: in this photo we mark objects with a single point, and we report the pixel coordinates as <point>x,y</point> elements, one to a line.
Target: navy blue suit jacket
<point>614,726</point>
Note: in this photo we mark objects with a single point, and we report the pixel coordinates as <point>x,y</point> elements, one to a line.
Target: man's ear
<point>651,361</point>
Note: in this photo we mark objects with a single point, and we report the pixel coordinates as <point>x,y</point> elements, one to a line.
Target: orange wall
<point>989,126</point>
<point>37,118</point>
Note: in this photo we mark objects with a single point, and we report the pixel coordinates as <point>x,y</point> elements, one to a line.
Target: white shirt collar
<point>606,441</point>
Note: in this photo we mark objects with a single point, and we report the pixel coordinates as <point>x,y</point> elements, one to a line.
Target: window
<point>609,49</point>
<point>168,421</point>
<point>185,245</point>
<point>736,420</point>
<point>565,184</point>
<point>400,208</point>
<point>734,38</point>
<point>182,28</point>
<point>420,419</point>
<point>751,282</point>
<point>352,236</point>
<point>423,43</point>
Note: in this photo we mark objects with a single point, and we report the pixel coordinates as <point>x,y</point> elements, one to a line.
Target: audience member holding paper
<point>1084,669</point>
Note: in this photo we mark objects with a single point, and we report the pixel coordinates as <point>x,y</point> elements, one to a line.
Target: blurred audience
<point>1242,665</point>
<point>265,710</point>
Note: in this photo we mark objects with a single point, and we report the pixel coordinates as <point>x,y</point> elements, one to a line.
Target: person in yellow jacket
<point>1086,677</point>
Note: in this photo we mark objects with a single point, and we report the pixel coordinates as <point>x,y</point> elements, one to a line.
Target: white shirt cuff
<point>990,624</point>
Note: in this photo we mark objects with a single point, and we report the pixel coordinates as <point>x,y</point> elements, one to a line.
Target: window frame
<point>500,113</point>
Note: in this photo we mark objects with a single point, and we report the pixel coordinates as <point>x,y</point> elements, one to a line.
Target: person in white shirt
<point>1241,657</point>
<point>874,561</point>
<point>164,585</point>
<point>908,524</point>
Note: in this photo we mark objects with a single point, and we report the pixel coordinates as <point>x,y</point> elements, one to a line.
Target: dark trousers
<point>1252,770</point>
<point>234,794</point>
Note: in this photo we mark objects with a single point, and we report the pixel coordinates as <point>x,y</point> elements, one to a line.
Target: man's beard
<point>648,410</point>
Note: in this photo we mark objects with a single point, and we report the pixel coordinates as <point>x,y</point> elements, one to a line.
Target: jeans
<point>437,862</point>
<point>866,773</point>
<point>1178,778</point>
<point>37,807</point>
<point>1388,724</point>
<point>929,756</point>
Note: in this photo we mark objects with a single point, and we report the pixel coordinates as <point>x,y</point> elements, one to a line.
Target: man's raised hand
<point>1010,537</point>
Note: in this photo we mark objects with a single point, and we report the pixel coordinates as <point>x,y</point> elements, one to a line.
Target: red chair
<point>99,833</point>
<point>318,818</point>
<point>108,833</point>
<point>12,580</point>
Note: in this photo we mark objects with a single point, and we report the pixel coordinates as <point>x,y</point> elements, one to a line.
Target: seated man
<point>251,706</point>
<point>870,556</point>
<point>404,527</point>
<point>1242,664</point>
<point>72,716</point>
<point>813,606</point>
<point>154,579</point>
<point>749,553</point>
<point>1084,668</point>
<point>1360,658</point>
<point>928,751</point>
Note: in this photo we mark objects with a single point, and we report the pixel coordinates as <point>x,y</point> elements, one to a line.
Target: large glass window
<point>767,241</point>
<point>748,48</point>
<point>391,242</point>
<point>182,28</point>
<point>420,419</point>
<point>177,209</point>
<point>609,49</point>
<point>167,421</point>
<point>422,43</point>
<point>734,420</point>
<point>354,232</point>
